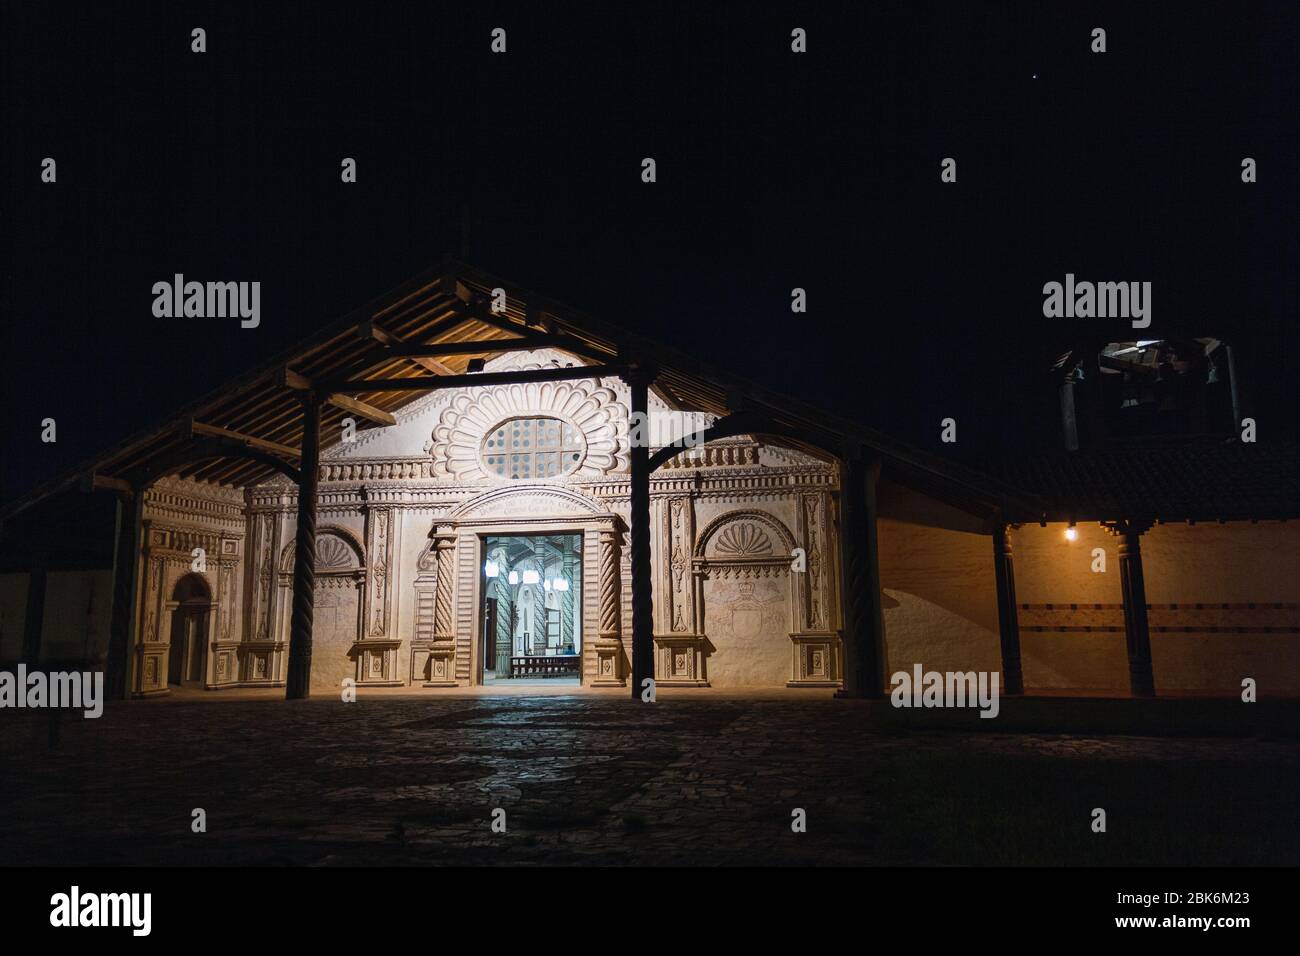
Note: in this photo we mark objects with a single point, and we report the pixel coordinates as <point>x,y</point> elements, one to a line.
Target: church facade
<point>405,517</point>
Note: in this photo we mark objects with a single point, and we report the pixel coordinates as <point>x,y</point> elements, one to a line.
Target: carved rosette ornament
<point>457,446</point>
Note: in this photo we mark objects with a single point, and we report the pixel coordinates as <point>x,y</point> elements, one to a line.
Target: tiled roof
<point>1227,481</point>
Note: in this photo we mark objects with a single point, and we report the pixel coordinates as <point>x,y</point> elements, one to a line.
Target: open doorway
<point>531,621</point>
<point>189,631</point>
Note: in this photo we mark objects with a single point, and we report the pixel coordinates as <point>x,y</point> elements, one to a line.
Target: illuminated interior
<point>531,626</point>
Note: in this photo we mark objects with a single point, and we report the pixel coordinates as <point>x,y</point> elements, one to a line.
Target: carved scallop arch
<point>737,529</point>
<point>526,500</point>
<point>337,549</point>
<point>591,408</point>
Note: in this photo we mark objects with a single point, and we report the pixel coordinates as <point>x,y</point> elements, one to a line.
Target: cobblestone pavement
<point>603,780</point>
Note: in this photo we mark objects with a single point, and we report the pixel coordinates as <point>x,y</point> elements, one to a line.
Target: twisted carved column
<point>609,644</point>
<point>444,623</point>
<point>610,625</point>
<point>298,680</point>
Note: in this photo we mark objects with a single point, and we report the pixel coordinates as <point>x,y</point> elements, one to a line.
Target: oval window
<point>531,448</point>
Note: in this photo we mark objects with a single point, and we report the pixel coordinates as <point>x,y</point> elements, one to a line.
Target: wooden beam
<point>288,378</point>
<point>200,428</point>
<point>453,286</point>
<point>422,349</point>
<point>369,331</point>
<point>433,383</point>
<point>94,482</point>
<point>480,312</point>
<point>365,410</point>
<point>482,346</point>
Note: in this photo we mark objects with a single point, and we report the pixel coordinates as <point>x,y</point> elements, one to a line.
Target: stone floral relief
<point>594,410</point>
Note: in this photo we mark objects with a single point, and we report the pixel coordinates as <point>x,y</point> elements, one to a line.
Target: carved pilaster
<point>609,644</point>
<point>379,549</point>
<point>376,650</point>
<point>266,529</point>
<point>679,540</point>
<point>816,615</point>
<point>439,558</point>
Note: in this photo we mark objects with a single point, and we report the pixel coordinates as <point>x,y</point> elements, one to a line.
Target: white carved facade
<point>402,515</point>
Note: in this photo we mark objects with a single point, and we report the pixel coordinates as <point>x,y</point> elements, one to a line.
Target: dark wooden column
<point>863,616</point>
<point>1137,633</point>
<point>1004,573</point>
<point>126,570</point>
<point>643,649</point>
<point>34,622</point>
<point>298,679</point>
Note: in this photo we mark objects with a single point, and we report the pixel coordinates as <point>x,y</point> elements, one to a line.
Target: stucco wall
<point>940,602</point>
<point>1237,563</point>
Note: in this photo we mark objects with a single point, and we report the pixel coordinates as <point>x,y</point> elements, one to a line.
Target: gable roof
<point>438,306</point>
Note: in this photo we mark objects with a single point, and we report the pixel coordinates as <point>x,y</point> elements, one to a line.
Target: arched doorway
<point>192,600</point>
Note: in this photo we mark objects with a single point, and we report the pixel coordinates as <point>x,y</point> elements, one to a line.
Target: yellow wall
<point>940,600</point>
<point>1235,563</point>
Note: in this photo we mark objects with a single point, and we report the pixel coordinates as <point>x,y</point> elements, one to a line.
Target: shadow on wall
<point>919,631</point>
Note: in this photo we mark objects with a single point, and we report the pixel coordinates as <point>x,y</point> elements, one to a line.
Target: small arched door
<point>189,632</point>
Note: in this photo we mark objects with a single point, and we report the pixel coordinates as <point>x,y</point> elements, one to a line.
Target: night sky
<point>775,170</point>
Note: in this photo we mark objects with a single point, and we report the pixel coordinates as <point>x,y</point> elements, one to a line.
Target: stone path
<point>603,780</point>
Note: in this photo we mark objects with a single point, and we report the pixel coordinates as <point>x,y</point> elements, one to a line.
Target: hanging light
<point>546,585</point>
<point>532,577</point>
<point>513,577</point>
<point>561,584</point>
<point>491,569</point>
